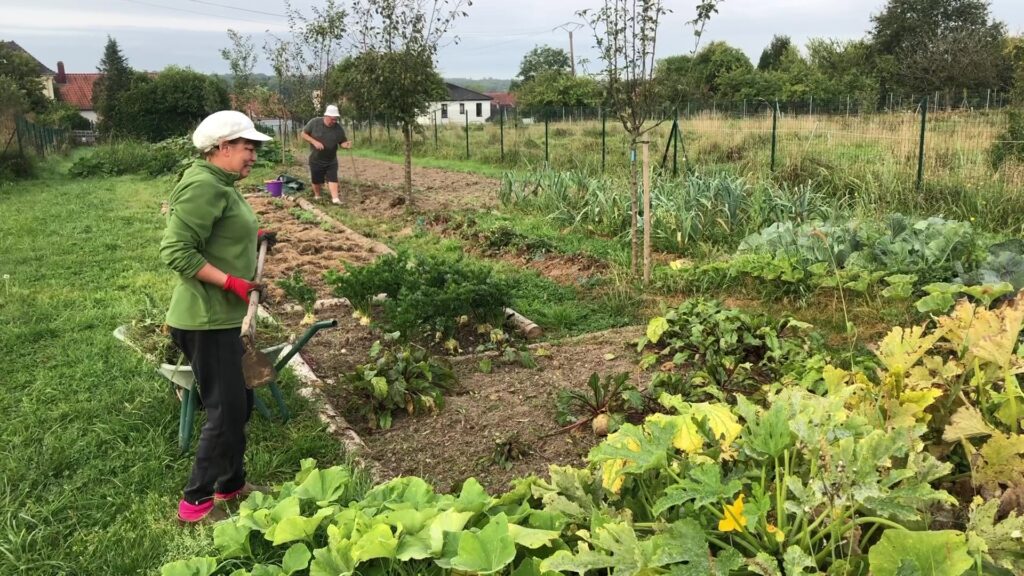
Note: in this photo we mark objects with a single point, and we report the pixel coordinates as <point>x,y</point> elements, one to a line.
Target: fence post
<point>847,105</point>
<point>775,125</point>
<point>988,98</point>
<point>604,128</point>
<point>675,141</point>
<point>467,135</point>
<point>387,127</point>
<point>501,119</point>
<point>811,113</point>
<point>920,149</point>
<point>547,159</point>
<point>371,130</point>
<point>435,131</point>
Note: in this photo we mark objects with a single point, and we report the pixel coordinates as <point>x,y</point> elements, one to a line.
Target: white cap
<point>332,110</point>
<point>224,126</point>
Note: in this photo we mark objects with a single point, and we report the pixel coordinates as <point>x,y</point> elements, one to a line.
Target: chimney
<point>61,78</point>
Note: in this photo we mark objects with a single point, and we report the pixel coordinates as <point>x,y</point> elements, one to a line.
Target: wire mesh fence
<point>910,140</point>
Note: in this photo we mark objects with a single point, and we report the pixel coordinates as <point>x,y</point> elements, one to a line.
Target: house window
<point>479,109</point>
<point>444,111</point>
<point>462,108</point>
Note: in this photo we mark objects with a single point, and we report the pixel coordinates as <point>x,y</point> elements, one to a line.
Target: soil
<point>512,404</point>
<point>492,426</point>
<point>368,186</point>
<point>307,247</point>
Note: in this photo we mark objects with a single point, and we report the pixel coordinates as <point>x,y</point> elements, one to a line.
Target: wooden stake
<point>647,212</point>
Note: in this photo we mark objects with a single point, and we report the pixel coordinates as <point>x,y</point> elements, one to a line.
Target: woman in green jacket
<point>211,243</point>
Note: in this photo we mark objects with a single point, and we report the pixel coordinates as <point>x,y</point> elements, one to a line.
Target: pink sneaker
<point>205,512</point>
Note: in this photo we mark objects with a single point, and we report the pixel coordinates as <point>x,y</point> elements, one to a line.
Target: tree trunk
<point>634,257</point>
<point>407,136</point>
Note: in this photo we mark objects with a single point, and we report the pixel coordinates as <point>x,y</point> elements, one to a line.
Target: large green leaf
<point>296,558</point>
<point>940,553</point>
<point>702,484</point>
<point>487,551</point>
<point>531,537</point>
<point>324,486</point>
<point>192,567</point>
<point>295,528</point>
<point>583,561</point>
<point>447,521</point>
<point>473,497</point>
<point>378,542</point>
<point>1004,540</point>
<point>232,540</point>
<point>334,560</point>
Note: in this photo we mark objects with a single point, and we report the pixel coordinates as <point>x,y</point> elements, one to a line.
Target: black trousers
<point>216,360</point>
<point>319,172</point>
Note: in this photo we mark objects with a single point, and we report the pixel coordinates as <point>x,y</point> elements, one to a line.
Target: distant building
<point>76,90</point>
<point>501,102</point>
<point>45,74</point>
<point>461,105</point>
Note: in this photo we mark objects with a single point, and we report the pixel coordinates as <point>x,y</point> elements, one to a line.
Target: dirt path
<point>435,189</point>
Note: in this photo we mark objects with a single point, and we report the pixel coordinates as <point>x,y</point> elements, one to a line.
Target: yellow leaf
<point>723,423</point>
<point>734,520</point>
<point>611,474</point>
<point>902,348</point>
<point>687,437</point>
<point>967,422</point>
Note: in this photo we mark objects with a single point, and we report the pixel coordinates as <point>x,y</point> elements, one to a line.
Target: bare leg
<point>316,191</point>
<point>333,187</point>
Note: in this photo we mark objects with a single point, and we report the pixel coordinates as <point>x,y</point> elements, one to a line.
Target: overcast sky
<point>494,37</point>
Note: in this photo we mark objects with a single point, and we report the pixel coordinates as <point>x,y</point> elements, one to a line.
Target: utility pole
<point>570,27</point>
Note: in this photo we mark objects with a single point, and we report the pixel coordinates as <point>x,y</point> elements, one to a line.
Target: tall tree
<point>539,60</point>
<point>21,75</point>
<point>771,56</point>
<point>241,58</point>
<point>929,45</point>
<point>171,104</point>
<point>317,43</point>
<point>117,78</point>
<point>626,37</point>
<point>396,67</point>
<point>714,62</point>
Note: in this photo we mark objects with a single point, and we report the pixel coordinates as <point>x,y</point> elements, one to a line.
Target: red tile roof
<point>77,90</point>
<point>503,98</point>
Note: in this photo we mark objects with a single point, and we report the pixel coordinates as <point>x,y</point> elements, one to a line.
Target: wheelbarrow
<point>182,378</point>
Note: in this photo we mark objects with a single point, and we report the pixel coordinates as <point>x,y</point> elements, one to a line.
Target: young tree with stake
<point>395,67</point>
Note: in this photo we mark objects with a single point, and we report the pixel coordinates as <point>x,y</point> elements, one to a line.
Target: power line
<point>194,12</point>
<point>239,9</point>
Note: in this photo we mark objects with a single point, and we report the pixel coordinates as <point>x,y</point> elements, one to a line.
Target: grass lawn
<point>90,468</point>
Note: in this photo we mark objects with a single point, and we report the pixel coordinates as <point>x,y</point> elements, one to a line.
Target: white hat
<point>224,126</point>
<point>332,110</point>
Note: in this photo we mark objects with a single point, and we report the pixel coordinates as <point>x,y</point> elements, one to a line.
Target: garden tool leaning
<point>256,367</point>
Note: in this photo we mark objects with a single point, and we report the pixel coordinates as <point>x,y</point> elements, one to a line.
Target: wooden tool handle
<point>249,322</point>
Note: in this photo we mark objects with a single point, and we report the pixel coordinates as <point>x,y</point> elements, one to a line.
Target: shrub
<point>425,294</point>
<point>1010,145</point>
<point>134,157</point>
<point>14,166</point>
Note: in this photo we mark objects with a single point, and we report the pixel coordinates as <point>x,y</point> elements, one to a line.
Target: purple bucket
<point>274,187</point>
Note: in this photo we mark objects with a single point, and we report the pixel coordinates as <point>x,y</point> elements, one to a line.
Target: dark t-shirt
<point>329,136</point>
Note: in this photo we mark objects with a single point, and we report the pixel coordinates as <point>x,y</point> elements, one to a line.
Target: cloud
<point>31,20</point>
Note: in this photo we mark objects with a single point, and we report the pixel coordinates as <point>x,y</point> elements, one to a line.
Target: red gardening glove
<point>239,287</point>
<point>269,235</point>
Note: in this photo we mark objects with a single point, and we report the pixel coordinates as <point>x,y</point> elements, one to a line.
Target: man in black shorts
<point>324,135</point>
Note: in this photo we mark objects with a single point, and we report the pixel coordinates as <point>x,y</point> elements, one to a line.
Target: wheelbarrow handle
<point>316,327</point>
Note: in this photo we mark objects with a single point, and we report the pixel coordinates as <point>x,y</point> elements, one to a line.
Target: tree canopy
<point>19,73</point>
<point>540,60</point>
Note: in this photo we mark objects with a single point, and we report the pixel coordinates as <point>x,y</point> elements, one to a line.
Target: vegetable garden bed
<point>491,424</point>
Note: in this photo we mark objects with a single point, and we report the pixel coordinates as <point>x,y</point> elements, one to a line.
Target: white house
<point>461,103</point>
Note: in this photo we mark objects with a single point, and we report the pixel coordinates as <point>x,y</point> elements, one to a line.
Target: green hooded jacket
<point>208,221</point>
